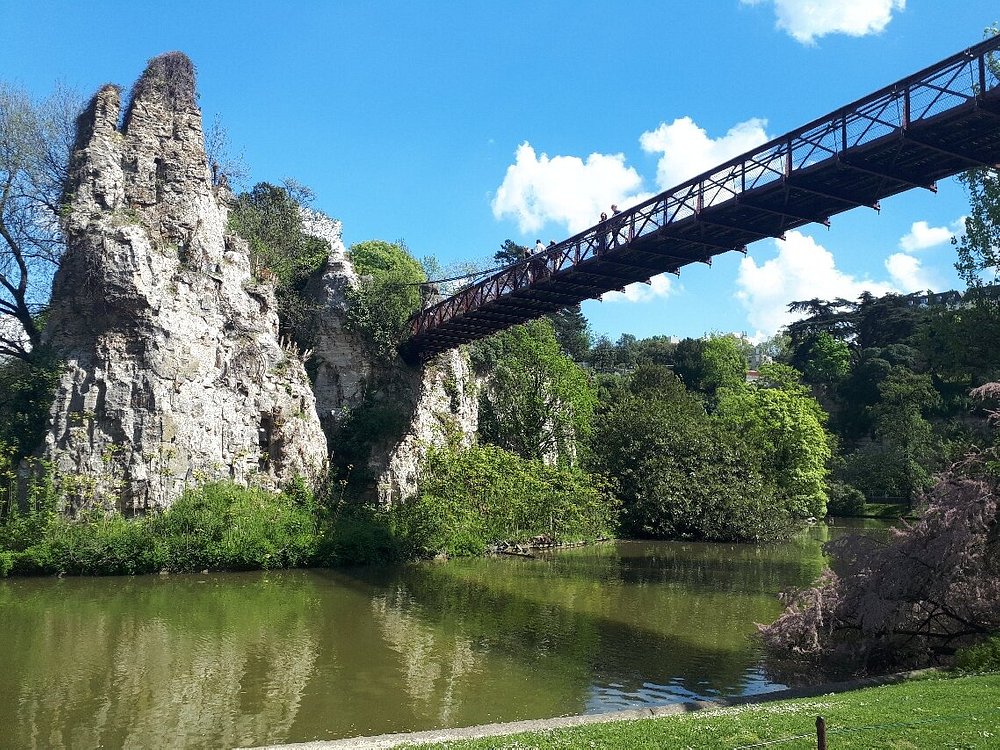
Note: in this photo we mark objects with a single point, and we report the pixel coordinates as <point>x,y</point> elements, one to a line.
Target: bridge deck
<point>933,124</point>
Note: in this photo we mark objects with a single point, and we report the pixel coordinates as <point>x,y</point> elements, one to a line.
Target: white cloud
<point>803,269</point>
<point>922,236</point>
<point>688,151</point>
<point>908,274</point>
<point>807,20</point>
<point>538,189</point>
<point>658,286</point>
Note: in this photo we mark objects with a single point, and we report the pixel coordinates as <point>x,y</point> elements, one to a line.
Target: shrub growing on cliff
<point>387,295</point>
<point>471,498</point>
<point>269,219</point>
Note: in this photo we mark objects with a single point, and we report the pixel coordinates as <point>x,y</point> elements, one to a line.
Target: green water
<point>247,659</point>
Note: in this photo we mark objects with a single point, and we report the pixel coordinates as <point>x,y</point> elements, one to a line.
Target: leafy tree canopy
<point>676,472</point>
<point>537,400</point>
<point>387,295</point>
<point>706,365</point>
<point>781,421</point>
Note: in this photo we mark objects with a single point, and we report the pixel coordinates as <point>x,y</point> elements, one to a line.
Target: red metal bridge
<point>938,122</point>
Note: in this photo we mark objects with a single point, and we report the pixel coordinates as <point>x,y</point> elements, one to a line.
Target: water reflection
<point>244,659</point>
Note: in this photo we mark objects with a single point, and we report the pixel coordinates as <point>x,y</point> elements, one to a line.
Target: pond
<point>235,659</point>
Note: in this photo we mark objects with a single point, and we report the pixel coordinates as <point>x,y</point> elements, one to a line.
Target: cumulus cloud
<point>908,274</point>
<point>808,20</point>
<point>687,149</point>
<point>566,190</point>
<point>922,236</point>
<point>658,286</point>
<point>804,269</point>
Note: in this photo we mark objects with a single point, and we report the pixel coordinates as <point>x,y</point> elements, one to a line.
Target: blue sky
<point>457,125</point>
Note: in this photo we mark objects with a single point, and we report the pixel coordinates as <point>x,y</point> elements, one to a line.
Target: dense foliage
<point>679,473</point>
<point>536,401</point>
<point>26,388</point>
<point>216,526</point>
<point>779,420</point>
<point>472,498</point>
<point>387,295</point>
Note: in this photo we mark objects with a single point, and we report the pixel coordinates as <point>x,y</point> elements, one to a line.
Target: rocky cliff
<point>436,404</point>
<point>174,370</point>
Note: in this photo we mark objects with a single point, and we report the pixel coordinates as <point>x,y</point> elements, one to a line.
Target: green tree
<point>602,356</point>
<point>572,331</point>
<point>901,426</point>
<point>676,472</point>
<point>829,360</point>
<point>784,424</point>
<point>657,350</point>
<point>706,365</point>
<point>978,263</point>
<point>35,142</point>
<point>387,295</point>
<point>510,253</point>
<point>536,401</point>
<point>979,248</point>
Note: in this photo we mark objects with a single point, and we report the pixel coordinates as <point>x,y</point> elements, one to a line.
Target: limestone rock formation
<point>439,402</point>
<point>444,407</point>
<point>175,373</point>
<point>342,368</point>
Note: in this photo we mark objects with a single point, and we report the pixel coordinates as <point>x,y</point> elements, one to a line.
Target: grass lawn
<point>936,712</point>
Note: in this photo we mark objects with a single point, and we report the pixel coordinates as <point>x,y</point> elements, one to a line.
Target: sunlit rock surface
<point>439,402</point>
<point>174,370</point>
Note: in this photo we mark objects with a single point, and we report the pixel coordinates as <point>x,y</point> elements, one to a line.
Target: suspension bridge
<point>933,124</point>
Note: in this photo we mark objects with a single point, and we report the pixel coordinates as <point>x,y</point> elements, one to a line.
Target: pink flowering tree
<point>911,601</point>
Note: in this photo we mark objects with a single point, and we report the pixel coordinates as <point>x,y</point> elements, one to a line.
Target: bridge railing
<point>953,82</point>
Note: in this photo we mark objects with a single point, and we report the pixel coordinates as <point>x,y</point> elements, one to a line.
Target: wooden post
<point>820,733</point>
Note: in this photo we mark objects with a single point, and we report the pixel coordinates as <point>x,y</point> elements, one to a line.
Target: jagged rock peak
<point>174,371</point>
<point>102,112</point>
<point>168,80</point>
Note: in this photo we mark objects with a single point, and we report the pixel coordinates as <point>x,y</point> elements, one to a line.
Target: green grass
<point>936,712</point>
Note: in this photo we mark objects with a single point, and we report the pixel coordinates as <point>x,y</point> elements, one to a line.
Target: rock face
<point>438,403</point>
<point>175,373</point>
<point>341,365</point>
<point>445,409</point>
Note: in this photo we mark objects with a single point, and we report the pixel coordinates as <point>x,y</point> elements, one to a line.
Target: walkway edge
<point>381,741</point>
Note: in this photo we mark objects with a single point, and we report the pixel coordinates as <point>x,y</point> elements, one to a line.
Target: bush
<point>472,498</point>
<point>269,218</point>
<point>678,473</point>
<point>845,500</point>
<point>26,392</point>
<point>6,563</point>
<point>219,525</point>
<point>981,657</point>
<point>357,534</point>
<point>224,525</point>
